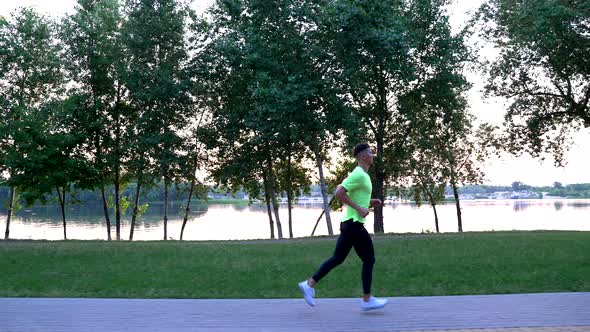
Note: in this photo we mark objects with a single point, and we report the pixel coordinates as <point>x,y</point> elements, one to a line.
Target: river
<point>241,222</point>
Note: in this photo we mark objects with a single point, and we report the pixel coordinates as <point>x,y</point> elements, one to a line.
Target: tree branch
<point>550,116</point>
<point>569,88</point>
<point>547,94</point>
<point>586,98</point>
<point>584,114</point>
<point>356,99</point>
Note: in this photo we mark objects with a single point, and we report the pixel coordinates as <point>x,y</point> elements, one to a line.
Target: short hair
<point>360,148</point>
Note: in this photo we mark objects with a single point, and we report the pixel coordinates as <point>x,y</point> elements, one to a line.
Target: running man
<point>355,193</point>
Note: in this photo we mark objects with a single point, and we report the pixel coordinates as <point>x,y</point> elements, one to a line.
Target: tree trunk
<point>430,200</point>
<point>165,208</point>
<point>105,207</point>
<point>290,207</point>
<point>435,218</point>
<point>135,208</point>
<point>378,187</point>
<point>320,217</point>
<point>193,179</point>
<point>433,204</point>
<point>289,195</point>
<point>62,203</point>
<point>378,193</point>
<point>117,204</point>
<point>273,197</point>
<point>106,212</point>
<point>457,204</point>
<point>319,164</point>
<point>10,209</point>
<point>118,167</point>
<point>190,196</point>
<point>268,209</point>
<point>379,137</point>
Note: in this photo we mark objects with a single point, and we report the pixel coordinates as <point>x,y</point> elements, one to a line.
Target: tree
<point>389,54</point>
<point>94,56</point>
<point>463,150</point>
<point>252,115</point>
<point>232,139</point>
<point>242,167</point>
<point>202,135</point>
<point>29,76</point>
<point>51,161</point>
<point>318,117</point>
<point>194,159</point>
<point>293,180</point>
<point>519,186</point>
<point>543,69</point>
<point>281,57</point>
<point>373,61</point>
<point>428,180</point>
<point>154,36</point>
<point>446,150</point>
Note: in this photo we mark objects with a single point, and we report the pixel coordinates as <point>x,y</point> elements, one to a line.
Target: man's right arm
<point>341,195</point>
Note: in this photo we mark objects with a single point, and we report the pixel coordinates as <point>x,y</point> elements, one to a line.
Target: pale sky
<point>499,171</point>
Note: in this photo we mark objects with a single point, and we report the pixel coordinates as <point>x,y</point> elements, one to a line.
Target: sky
<point>499,171</point>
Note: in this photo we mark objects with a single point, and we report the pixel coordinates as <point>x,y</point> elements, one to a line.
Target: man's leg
<point>363,245</point>
<point>343,246</point>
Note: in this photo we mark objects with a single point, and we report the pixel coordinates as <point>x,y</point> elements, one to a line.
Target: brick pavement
<point>547,312</point>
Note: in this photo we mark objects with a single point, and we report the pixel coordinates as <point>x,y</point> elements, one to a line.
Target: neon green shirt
<point>359,187</point>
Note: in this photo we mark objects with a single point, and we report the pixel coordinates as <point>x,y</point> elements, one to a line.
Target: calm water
<point>237,222</point>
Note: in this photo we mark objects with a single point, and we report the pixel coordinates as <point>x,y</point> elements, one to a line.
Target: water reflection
<point>239,207</point>
<point>94,214</point>
<point>223,222</point>
<point>520,206</point>
<point>579,205</point>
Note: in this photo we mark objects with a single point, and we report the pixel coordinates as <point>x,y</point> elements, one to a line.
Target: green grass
<point>407,265</point>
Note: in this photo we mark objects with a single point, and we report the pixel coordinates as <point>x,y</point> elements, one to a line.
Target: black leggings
<point>352,234</point>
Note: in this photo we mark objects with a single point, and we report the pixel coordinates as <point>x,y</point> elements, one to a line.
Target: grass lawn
<point>407,265</point>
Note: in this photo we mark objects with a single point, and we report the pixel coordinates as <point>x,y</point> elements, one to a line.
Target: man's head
<point>363,153</point>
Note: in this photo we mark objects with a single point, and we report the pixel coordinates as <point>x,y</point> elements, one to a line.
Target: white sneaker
<point>373,303</point>
<point>308,293</point>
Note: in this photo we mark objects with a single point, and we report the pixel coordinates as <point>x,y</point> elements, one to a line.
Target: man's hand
<point>341,195</point>
<point>363,212</point>
<point>375,202</point>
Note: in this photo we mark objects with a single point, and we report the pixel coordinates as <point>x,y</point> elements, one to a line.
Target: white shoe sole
<point>374,308</point>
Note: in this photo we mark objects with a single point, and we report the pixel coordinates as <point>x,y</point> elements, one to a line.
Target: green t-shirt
<point>359,187</point>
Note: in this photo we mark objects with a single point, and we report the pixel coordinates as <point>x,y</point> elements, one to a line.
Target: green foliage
<point>123,203</point>
<point>38,137</point>
<point>30,63</point>
<point>543,70</point>
<point>273,99</point>
<point>295,179</point>
<point>156,78</point>
<point>17,206</point>
<point>399,70</point>
<point>94,60</point>
<point>142,209</point>
<point>580,190</point>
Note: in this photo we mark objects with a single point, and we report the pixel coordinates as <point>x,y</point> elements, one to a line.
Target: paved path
<point>548,312</point>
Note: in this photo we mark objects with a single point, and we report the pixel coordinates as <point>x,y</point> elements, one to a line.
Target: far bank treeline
<point>257,95</point>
